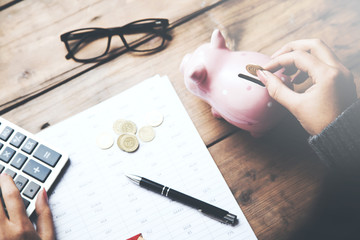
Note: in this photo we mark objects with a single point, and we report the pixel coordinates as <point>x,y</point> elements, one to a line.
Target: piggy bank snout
<point>194,72</point>
<point>197,74</point>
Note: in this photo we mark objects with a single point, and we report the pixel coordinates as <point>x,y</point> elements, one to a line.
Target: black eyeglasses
<point>92,44</point>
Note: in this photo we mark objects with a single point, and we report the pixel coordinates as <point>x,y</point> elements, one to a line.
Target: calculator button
<point>1,145</point>
<point>47,155</point>
<point>18,160</point>
<point>18,139</point>
<point>1,168</point>
<point>31,190</point>
<point>20,182</point>
<point>26,203</point>
<point>10,172</point>
<point>29,146</point>
<point>37,170</point>
<point>6,133</point>
<point>7,154</point>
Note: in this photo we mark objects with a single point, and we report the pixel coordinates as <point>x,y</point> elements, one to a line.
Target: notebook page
<point>94,199</point>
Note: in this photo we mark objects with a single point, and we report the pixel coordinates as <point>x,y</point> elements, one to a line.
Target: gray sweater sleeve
<point>338,145</point>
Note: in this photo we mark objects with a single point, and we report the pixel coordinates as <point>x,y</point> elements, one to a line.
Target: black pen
<point>210,210</point>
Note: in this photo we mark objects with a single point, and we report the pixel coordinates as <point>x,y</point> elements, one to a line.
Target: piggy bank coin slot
<point>251,79</point>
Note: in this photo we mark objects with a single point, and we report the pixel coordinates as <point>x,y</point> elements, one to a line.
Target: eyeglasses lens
<point>88,43</point>
<point>145,35</point>
<point>144,41</point>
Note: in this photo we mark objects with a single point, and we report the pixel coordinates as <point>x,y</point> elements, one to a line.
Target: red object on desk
<point>137,237</point>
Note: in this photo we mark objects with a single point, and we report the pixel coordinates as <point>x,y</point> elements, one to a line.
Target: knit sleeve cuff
<point>338,145</point>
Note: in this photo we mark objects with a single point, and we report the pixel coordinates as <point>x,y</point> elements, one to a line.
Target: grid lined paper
<point>94,199</point>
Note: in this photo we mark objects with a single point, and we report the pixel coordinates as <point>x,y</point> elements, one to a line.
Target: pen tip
<point>133,177</point>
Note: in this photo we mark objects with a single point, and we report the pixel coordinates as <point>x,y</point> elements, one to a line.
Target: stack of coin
<point>128,142</point>
<point>126,129</point>
<point>124,126</point>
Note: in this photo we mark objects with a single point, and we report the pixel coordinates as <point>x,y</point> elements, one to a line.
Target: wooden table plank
<point>116,76</point>
<point>232,18</point>
<point>275,179</point>
<point>40,38</point>
<point>265,26</point>
<point>36,48</point>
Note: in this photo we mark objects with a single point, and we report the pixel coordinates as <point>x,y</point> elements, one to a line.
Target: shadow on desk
<point>336,213</point>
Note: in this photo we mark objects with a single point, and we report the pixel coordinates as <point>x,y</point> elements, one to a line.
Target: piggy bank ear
<point>198,74</point>
<point>217,39</point>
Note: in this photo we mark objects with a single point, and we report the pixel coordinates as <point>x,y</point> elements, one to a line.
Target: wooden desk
<point>276,179</point>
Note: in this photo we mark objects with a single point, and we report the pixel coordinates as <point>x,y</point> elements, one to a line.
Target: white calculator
<point>32,162</point>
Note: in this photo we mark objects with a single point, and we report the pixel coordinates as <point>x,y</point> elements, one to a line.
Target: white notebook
<point>95,200</point>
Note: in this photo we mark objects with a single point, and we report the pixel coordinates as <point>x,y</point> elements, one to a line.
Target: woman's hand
<point>18,226</point>
<point>332,90</point>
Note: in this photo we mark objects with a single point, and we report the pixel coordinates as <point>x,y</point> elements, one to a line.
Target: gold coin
<point>251,68</point>
<point>154,118</point>
<point>128,142</point>
<point>128,127</point>
<point>104,140</point>
<point>146,133</point>
<point>119,141</point>
<point>124,126</point>
<point>117,126</point>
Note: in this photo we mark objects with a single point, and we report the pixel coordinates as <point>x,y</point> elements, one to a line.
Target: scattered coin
<point>124,126</point>
<point>146,133</point>
<point>126,129</point>
<point>129,127</point>
<point>154,118</point>
<point>104,140</point>
<point>128,142</point>
<point>119,140</point>
<point>251,68</point>
<point>117,126</point>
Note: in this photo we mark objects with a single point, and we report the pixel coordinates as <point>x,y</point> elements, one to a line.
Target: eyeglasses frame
<point>149,25</point>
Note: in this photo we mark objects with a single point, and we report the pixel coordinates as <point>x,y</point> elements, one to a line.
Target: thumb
<point>45,225</point>
<point>278,90</point>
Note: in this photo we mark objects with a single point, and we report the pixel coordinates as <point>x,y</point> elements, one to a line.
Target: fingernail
<point>45,195</point>
<point>262,76</point>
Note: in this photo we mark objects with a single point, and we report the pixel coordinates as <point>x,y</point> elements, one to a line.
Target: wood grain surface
<point>275,179</point>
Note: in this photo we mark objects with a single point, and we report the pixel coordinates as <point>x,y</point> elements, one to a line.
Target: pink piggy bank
<point>219,77</point>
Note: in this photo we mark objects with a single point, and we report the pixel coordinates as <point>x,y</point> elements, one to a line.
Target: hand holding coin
<point>333,88</point>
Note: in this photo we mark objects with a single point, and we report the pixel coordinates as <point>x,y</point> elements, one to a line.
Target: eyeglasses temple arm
<point>138,28</point>
<point>76,36</point>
